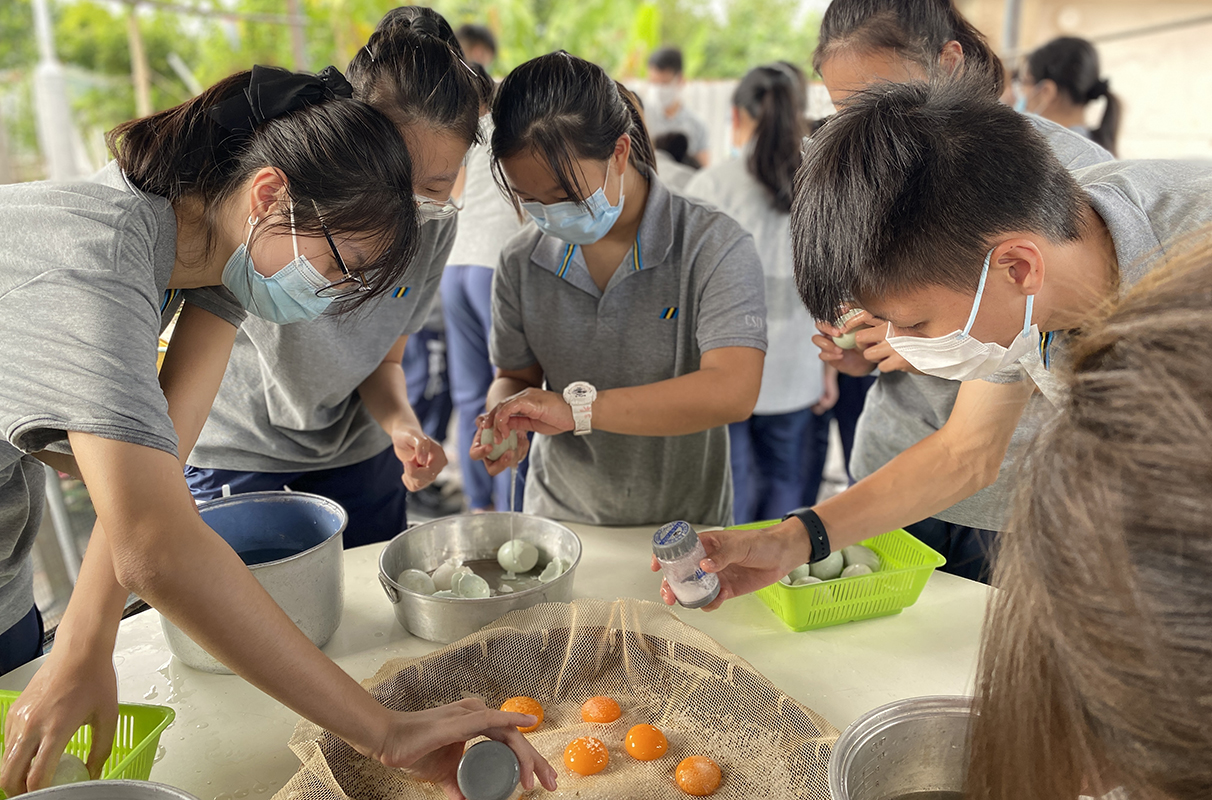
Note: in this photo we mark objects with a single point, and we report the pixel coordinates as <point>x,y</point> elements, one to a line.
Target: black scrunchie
<point>1100,89</point>
<point>272,92</point>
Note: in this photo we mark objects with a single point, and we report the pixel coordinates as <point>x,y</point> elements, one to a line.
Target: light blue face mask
<point>578,223</point>
<point>289,295</point>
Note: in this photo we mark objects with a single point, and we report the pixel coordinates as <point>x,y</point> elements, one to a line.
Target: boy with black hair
<point>667,114</point>
<point>946,215</point>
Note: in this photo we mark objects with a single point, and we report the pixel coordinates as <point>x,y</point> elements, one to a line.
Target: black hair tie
<point>1100,89</point>
<point>272,92</point>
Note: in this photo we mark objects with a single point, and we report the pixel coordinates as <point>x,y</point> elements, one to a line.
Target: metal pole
<point>1010,27</point>
<point>298,43</point>
<point>140,70</point>
<point>53,115</point>
<point>62,523</point>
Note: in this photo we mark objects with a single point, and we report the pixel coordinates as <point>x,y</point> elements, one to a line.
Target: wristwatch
<point>818,538</point>
<point>580,395</point>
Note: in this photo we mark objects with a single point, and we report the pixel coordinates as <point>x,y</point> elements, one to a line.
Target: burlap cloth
<point>660,670</point>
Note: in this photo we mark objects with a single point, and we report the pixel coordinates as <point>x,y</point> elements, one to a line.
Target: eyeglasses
<point>428,208</point>
<point>353,283</point>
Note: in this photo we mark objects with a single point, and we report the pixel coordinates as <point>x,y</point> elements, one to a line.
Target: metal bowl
<point>112,790</point>
<point>309,584</point>
<point>474,538</point>
<point>916,747</point>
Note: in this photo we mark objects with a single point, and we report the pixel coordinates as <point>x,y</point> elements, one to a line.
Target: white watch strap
<point>582,418</point>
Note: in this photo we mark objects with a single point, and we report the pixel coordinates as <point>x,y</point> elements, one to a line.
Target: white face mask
<point>959,357</point>
<point>665,95</point>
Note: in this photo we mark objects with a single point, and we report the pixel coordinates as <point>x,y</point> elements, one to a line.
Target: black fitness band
<point>817,536</point>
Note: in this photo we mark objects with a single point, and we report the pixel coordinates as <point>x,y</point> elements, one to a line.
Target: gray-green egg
<point>855,570</point>
<point>858,554</point>
<point>508,443</point>
<point>806,580</point>
<point>828,568</point>
<point>553,570</point>
<point>517,556</point>
<point>446,571</point>
<point>470,586</point>
<point>414,580</point>
<point>70,770</point>
<point>800,572</point>
<point>846,341</point>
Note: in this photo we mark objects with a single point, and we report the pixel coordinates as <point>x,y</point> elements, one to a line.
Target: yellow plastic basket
<point>905,567</point>
<point>138,735</point>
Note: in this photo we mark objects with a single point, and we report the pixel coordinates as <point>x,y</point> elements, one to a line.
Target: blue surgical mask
<point>1020,102</point>
<point>578,223</point>
<point>289,295</point>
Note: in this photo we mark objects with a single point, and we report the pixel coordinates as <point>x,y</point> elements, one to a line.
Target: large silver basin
<point>474,538</point>
<point>309,585</point>
<point>914,746</point>
<point>112,790</point>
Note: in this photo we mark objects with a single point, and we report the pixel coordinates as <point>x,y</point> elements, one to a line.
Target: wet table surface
<point>229,741</point>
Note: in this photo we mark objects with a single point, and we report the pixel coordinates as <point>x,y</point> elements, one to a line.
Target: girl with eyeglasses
<point>323,406</point>
<point>270,193</point>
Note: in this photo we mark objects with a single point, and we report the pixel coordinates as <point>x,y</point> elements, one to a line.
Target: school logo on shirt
<point>169,296</point>
<point>670,313</point>
<point>401,292</point>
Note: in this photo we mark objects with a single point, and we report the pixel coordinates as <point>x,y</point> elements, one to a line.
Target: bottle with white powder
<point>679,551</point>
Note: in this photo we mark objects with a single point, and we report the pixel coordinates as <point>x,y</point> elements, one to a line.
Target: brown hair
<point>1097,662</point>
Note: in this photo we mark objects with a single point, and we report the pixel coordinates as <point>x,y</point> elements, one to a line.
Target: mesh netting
<point>660,670</point>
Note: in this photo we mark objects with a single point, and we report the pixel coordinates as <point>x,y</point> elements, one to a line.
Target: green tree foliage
<point>722,39</point>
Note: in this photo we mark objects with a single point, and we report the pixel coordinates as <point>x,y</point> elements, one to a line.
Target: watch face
<point>579,394</point>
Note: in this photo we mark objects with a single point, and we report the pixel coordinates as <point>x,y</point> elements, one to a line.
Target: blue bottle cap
<point>489,771</point>
<point>674,540</point>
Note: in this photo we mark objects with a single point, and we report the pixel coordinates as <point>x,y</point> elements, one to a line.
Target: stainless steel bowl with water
<point>914,749</point>
<point>293,543</point>
<point>474,538</point>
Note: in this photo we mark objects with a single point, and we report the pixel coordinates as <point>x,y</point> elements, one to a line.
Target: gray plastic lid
<point>674,540</point>
<point>489,771</point>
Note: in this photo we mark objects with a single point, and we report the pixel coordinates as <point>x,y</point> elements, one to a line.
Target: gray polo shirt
<point>692,283</point>
<point>84,268</point>
<point>1149,207</point>
<point>902,409</point>
<point>289,401</point>
<point>683,121</point>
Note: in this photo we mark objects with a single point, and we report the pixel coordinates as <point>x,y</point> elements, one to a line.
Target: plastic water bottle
<point>679,551</point>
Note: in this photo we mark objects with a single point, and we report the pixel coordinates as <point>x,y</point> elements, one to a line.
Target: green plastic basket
<point>135,743</point>
<point>905,567</point>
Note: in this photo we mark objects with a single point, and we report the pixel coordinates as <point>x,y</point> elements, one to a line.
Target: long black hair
<point>565,109</point>
<point>768,94</point>
<point>339,156</point>
<point>1072,64</point>
<point>915,29</point>
<point>413,70</point>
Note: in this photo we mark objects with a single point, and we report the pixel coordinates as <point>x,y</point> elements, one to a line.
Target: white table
<point>229,740</point>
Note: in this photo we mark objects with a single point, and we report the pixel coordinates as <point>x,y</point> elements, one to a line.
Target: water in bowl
<point>935,795</point>
<point>266,554</point>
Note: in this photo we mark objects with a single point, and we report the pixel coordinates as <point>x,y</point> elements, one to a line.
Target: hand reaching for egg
<point>746,561</point>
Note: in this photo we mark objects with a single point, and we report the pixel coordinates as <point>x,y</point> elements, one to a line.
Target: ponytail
<point>563,108</point>
<point>917,30</point>
<point>342,159</point>
<point>412,69</point>
<point>1106,135</point>
<point>1072,64</point>
<point>767,94</point>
